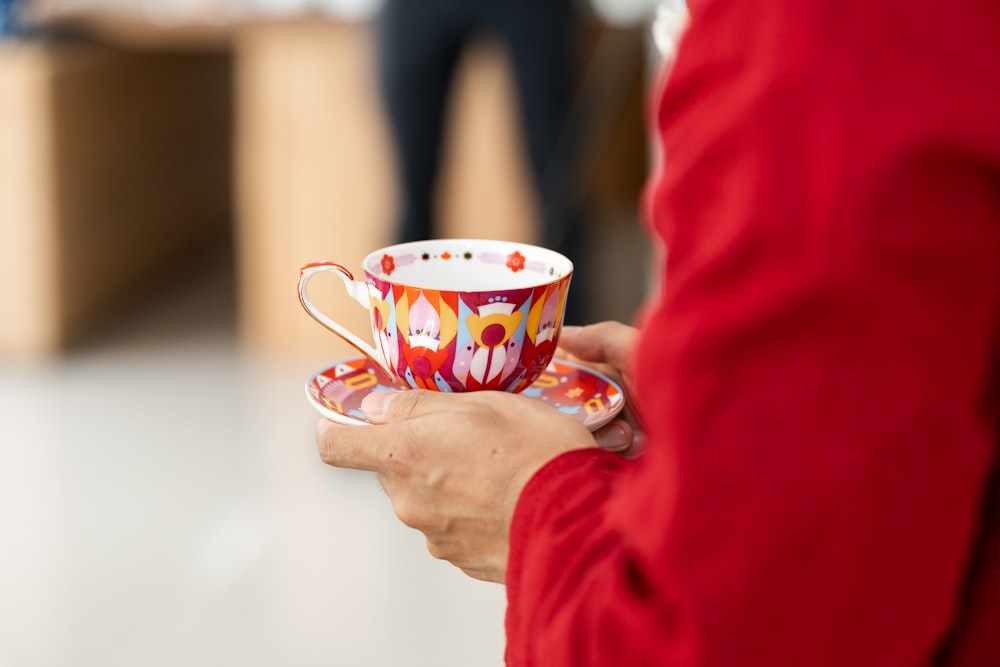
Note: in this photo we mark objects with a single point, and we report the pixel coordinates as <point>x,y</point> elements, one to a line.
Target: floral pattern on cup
<point>453,341</point>
<point>455,315</point>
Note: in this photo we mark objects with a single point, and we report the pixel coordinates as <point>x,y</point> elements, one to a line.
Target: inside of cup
<point>468,265</point>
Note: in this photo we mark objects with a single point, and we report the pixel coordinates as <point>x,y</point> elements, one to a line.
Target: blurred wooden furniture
<point>114,159</point>
<point>111,163</point>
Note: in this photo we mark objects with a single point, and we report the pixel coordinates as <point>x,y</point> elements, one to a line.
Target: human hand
<point>454,465</point>
<point>607,347</point>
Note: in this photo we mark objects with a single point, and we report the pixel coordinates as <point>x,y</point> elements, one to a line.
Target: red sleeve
<point>816,377</point>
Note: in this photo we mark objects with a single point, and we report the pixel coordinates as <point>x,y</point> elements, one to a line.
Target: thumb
<point>616,436</point>
<point>382,407</point>
<point>606,342</point>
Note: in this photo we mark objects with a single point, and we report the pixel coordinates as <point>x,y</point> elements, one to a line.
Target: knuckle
<point>408,513</point>
<point>408,404</point>
<point>437,549</point>
<point>325,439</point>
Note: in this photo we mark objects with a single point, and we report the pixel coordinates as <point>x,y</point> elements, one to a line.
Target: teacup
<point>455,314</point>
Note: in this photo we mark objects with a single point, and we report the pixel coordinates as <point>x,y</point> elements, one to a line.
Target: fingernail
<point>638,439</point>
<point>614,438</point>
<point>376,403</point>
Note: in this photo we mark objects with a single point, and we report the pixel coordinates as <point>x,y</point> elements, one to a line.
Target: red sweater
<point>818,377</point>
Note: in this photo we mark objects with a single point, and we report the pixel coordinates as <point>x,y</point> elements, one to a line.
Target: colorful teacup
<point>456,314</point>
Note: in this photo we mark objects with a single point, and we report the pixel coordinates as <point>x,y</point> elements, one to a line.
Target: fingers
<point>621,437</point>
<point>607,342</point>
<point>376,404</point>
<point>362,448</point>
<point>346,446</point>
<point>454,465</point>
<point>383,407</point>
<point>616,436</point>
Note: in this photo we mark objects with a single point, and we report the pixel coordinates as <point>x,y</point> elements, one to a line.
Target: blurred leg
<point>418,47</point>
<point>541,35</point>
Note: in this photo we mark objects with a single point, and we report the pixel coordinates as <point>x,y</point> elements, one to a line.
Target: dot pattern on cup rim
<point>515,261</point>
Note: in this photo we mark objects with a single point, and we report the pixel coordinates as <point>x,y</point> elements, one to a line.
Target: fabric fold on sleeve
<point>561,536</point>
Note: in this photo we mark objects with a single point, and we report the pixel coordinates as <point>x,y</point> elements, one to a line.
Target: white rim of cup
<point>373,261</point>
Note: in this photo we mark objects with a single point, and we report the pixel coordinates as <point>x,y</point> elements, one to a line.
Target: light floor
<point>162,504</point>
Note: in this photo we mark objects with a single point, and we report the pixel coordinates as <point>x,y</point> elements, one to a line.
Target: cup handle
<point>358,291</point>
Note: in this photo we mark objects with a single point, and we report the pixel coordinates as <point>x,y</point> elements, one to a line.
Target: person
<point>817,379</point>
<point>419,45</point>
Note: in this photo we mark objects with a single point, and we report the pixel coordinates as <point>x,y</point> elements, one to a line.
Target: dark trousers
<point>420,42</point>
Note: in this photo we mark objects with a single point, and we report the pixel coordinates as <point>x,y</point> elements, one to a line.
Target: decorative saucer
<point>590,397</point>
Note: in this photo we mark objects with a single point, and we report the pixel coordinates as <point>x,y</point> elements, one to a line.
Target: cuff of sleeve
<point>568,491</point>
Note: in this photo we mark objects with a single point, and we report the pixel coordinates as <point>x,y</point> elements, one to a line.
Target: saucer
<point>591,398</point>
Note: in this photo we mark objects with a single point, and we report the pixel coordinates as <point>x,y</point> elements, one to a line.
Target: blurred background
<point>165,168</point>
